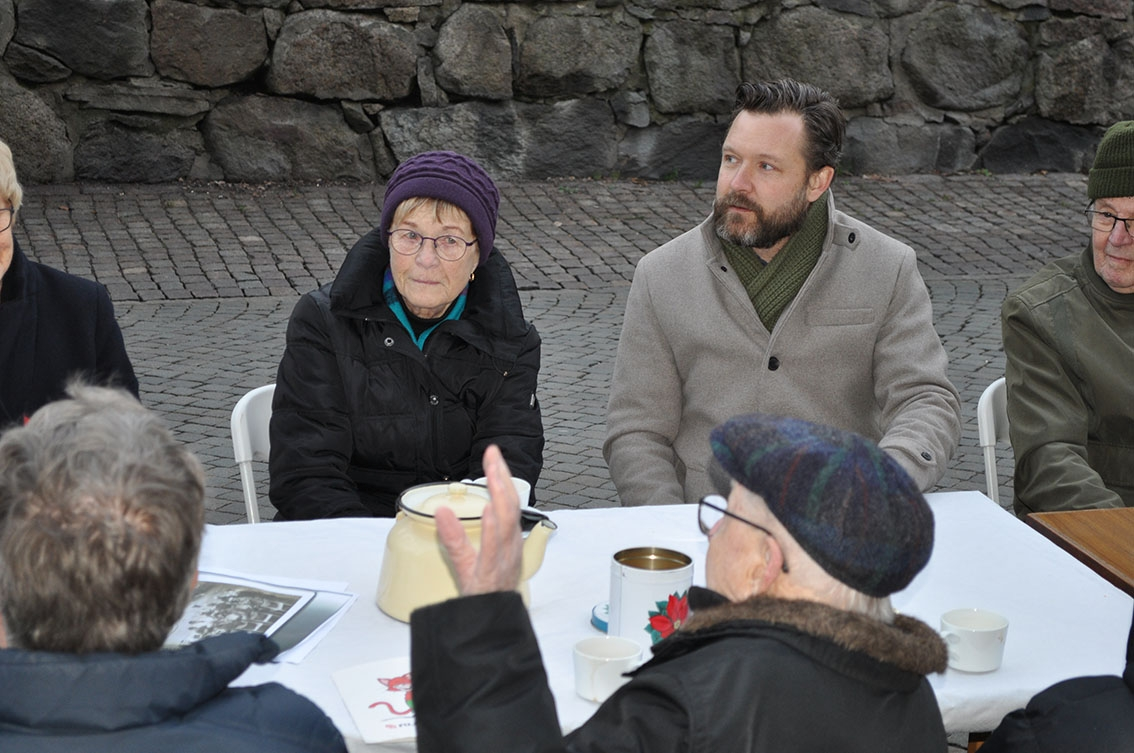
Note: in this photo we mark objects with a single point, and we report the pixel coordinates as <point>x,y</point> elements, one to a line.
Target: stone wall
<point>264,90</point>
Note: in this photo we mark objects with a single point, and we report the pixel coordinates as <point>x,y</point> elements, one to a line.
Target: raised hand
<point>496,567</point>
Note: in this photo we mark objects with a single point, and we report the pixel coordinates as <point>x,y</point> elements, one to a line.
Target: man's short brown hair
<point>104,514</point>
<point>823,121</point>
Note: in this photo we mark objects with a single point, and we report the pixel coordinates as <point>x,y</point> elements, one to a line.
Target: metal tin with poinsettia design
<point>649,590</point>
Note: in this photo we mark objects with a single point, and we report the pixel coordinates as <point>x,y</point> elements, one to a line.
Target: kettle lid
<point>466,500</point>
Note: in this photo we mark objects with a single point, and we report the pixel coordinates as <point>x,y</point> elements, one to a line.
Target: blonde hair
<point>442,210</point>
<point>9,185</point>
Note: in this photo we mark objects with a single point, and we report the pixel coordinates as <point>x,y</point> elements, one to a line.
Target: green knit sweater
<point>771,286</point>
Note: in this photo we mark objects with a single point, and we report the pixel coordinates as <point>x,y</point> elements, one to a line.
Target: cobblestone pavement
<point>204,277</point>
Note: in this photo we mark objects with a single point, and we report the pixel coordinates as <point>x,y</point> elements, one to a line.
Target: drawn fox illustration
<point>396,685</point>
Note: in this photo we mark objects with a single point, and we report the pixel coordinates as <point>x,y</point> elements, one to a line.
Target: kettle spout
<point>536,544</point>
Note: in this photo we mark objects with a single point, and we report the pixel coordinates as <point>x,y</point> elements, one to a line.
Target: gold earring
<point>472,276</point>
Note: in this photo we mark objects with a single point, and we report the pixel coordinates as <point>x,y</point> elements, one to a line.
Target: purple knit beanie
<point>450,177</point>
<point>848,503</point>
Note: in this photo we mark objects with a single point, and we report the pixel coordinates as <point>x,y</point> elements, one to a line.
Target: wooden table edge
<point>1118,579</point>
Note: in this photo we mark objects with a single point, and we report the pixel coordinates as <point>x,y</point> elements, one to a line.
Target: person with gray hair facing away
<point>103,517</point>
<point>1069,352</point>
<point>779,303</point>
<point>793,646</point>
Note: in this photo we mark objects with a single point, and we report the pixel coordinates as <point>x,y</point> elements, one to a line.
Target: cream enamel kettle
<point>415,571</point>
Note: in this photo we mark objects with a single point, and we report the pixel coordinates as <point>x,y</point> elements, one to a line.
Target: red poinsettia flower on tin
<point>670,616</point>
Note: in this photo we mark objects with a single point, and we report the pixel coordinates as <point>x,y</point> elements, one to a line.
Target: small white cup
<point>523,488</point>
<point>975,638</point>
<point>600,663</point>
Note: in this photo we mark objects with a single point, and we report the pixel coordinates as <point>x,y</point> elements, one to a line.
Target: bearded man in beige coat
<point>777,303</point>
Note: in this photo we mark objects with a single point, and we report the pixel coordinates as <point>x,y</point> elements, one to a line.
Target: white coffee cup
<point>600,663</point>
<point>649,589</point>
<point>523,488</point>
<point>975,638</point>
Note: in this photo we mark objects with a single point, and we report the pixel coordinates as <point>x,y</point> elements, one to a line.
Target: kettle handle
<point>531,517</point>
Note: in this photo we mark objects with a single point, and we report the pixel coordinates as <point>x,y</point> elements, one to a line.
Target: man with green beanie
<point>1069,341</point>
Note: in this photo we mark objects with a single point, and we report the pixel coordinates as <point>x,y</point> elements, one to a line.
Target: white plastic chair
<point>250,440</point>
<point>992,427</point>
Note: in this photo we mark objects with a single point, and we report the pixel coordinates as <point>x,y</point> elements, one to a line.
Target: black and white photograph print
<point>221,604</point>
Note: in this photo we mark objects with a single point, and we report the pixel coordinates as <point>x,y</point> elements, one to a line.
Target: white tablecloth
<point>1065,620</point>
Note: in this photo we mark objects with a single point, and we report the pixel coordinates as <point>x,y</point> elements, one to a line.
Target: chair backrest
<point>992,428</point>
<point>250,440</point>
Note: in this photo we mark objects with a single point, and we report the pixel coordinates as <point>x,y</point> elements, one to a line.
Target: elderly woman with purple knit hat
<point>413,361</point>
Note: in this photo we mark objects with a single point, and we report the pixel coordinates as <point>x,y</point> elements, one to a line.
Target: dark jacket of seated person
<point>796,648</point>
<point>54,326</point>
<point>1080,715</point>
<point>103,515</point>
<point>170,700</point>
<point>416,358</point>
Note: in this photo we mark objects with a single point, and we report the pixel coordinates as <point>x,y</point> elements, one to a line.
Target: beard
<point>765,229</point>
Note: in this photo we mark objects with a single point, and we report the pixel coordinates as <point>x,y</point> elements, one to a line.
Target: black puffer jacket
<point>361,414</point>
<point>1080,715</point>
<point>761,676</point>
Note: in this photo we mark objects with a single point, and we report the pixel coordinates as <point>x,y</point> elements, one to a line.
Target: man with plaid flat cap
<point>793,646</point>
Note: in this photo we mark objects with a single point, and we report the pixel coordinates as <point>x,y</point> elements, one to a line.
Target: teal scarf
<point>395,303</point>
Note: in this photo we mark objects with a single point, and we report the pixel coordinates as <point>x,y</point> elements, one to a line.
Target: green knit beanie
<point>1113,172</point>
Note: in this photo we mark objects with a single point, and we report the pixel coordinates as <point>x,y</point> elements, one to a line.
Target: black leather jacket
<point>765,675</point>
<point>361,414</point>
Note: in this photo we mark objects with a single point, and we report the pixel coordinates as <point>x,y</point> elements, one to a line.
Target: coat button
<point>389,342</point>
<point>850,238</point>
<point>926,456</point>
<point>434,400</point>
<point>773,363</point>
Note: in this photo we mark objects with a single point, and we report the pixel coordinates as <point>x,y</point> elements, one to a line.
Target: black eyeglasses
<point>449,247</point>
<point>6,222</point>
<point>713,508</point>
<point>1104,222</point>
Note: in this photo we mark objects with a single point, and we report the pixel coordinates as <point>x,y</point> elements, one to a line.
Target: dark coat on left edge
<point>360,413</point>
<point>54,326</point>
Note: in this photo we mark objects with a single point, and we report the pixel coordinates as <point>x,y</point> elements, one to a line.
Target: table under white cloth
<point>1064,620</point>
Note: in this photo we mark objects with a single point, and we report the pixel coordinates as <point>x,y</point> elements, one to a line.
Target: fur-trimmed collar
<point>908,643</point>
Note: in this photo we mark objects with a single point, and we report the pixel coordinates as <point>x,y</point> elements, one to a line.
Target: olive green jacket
<point>1069,342</point>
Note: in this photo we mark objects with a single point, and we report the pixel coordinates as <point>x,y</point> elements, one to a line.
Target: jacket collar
<point>908,644</point>
<point>46,690</point>
<point>1095,284</point>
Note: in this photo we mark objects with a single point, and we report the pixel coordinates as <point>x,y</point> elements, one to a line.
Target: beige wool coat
<point>855,349</point>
